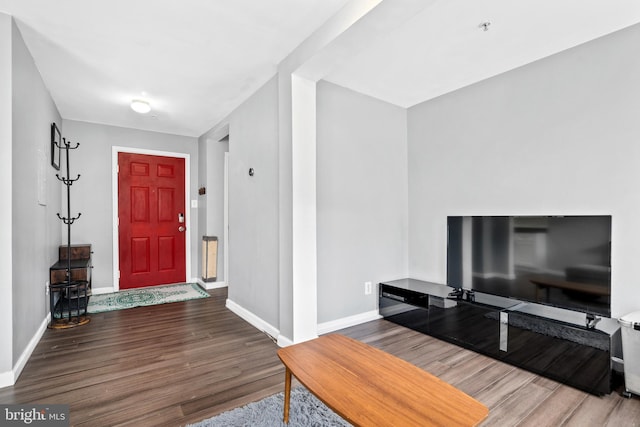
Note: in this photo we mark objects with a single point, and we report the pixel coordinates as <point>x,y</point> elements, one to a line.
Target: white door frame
<point>226,219</point>
<point>114,192</point>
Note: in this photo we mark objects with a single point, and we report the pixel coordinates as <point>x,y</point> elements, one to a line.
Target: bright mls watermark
<point>34,415</point>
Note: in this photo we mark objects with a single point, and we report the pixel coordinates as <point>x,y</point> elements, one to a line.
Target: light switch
<point>194,203</point>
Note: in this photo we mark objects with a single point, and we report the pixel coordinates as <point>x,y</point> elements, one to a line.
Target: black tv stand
<point>566,346</point>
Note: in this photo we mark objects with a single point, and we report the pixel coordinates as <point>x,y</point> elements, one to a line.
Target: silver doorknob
<point>181,229</point>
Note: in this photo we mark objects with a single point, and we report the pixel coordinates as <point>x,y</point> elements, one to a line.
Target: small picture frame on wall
<point>56,142</point>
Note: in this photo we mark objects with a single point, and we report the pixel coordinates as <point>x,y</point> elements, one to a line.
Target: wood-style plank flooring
<point>179,363</point>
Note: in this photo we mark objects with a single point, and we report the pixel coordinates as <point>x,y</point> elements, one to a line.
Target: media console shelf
<point>547,341</point>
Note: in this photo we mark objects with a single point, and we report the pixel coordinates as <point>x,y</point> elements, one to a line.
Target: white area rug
<point>305,410</point>
<point>145,296</point>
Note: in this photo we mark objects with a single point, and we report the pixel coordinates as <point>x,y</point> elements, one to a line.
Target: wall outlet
<point>367,288</point>
<point>46,288</point>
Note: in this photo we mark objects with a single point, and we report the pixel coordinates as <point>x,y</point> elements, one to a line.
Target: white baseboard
<point>323,328</point>
<point>100,291</point>
<point>284,341</point>
<point>8,379</point>
<point>335,325</point>
<point>252,319</point>
<point>345,322</point>
<point>210,285</point>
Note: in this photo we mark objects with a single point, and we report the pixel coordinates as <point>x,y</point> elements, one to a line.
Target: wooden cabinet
<point>80,263</point>
<point>75,252</point>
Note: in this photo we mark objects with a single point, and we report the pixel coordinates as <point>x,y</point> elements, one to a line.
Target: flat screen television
<point>562,261</point>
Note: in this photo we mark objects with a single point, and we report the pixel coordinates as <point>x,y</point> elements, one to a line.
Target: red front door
<point>151,215</point>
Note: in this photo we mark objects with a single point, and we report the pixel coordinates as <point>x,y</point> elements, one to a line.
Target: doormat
<point>141,297</point>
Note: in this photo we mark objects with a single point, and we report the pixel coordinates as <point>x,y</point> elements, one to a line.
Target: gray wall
<point>362,201</point>
<point>285,200</point>
<point>202,199</point>
<point>35,196</point>
<point>556,137</point>
<point>6,286</point>
<point>361,198</point>
<point>211,160</point>
<point>92,194</point>
<point>253,204</point>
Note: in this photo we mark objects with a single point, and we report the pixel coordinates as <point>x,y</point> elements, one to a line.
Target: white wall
<point>556,137</point>
<point>253,205</point>
<point>362,199</point>
<point>92,194</point>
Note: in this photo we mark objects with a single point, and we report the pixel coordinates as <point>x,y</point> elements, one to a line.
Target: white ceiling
<point>443,48</point>
<point>196,60</point>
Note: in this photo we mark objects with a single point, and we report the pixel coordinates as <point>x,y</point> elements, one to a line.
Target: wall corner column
<point>304,239</point>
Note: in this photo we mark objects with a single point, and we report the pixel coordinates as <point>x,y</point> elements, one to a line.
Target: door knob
<point>181,229</point>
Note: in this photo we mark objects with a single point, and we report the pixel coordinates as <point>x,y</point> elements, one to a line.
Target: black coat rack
<point>68,183</point>
<point>70,290</point>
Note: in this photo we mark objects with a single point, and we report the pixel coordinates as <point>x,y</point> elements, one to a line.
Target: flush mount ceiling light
<point>140,106</point>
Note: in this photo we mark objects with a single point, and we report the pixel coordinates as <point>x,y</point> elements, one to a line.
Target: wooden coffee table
<point>368,387</point>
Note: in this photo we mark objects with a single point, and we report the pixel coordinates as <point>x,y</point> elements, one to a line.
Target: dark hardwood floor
<point>179,363</point>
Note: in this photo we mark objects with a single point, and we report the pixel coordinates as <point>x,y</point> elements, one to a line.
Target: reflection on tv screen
<point>564,261</point>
